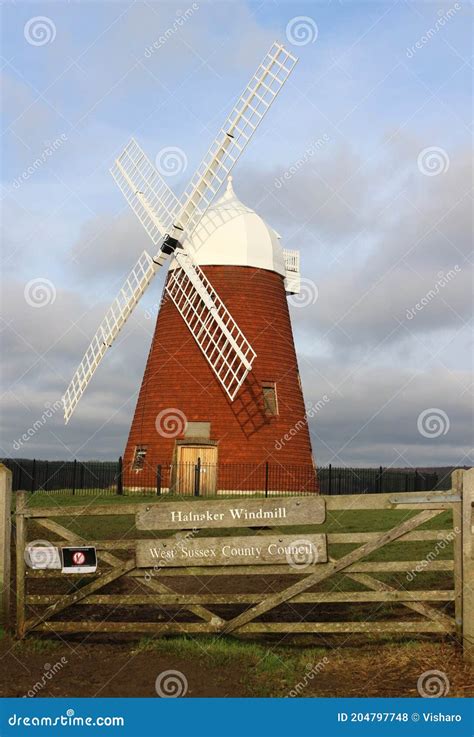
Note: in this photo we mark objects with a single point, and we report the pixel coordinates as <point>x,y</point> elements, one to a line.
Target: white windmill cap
<point>232,234</point>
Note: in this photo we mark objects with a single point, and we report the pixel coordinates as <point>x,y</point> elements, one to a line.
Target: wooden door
<point>187,461</point>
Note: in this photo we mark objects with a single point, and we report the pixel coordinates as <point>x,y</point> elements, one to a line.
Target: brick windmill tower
<point>221,385</point>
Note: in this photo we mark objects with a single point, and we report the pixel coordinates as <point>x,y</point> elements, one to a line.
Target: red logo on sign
<point>78,558</point>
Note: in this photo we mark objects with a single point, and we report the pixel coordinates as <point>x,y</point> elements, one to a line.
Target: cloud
<point>374,412</point>
<point>375,233</point>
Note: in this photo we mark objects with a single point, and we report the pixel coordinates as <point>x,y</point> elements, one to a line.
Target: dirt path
<point>74,669</point>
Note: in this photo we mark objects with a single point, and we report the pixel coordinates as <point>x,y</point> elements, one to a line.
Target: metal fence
<point>110,478</point>
<point>86,477</point>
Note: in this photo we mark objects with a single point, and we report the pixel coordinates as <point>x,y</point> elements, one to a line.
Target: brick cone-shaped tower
<point>183,414</point>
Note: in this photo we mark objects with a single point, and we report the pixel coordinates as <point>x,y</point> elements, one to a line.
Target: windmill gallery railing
<point>94,478</point>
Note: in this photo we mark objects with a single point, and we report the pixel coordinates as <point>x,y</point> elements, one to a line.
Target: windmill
<point>195,312</point>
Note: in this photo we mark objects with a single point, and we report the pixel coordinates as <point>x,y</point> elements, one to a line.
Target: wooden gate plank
<point>69,599</point>
<point>112,560</point>
<point>323,597</point>
<point>417,606</point>
<point>178,628</point>
<point>297,588</point>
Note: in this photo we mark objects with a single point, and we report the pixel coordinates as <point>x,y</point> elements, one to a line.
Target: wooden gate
<point>275,565</point>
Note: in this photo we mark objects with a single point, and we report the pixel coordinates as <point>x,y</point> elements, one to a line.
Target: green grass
<point>274,671</point>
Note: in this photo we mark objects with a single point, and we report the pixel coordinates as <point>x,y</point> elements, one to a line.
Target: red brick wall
<point>178,376</point>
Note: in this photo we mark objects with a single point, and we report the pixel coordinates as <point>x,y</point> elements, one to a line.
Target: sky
<point>363,164</point>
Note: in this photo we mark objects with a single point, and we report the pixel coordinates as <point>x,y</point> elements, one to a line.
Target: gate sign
<point>79,560</point>
<point>301,552</point>
<point>167,515</point>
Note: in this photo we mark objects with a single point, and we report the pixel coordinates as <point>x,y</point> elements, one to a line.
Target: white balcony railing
<point>292,268</point>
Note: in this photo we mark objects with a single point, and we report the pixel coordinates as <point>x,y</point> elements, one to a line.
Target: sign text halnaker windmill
<point>221,382</point>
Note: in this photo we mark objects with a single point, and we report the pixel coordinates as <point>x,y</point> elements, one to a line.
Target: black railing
<point>201,479</point>
<point>207,479</point>
<point>333,480</point>
<point>86,477</point>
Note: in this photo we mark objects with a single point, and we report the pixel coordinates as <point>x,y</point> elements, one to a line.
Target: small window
<point>270,402</point>
<point>139,458</point>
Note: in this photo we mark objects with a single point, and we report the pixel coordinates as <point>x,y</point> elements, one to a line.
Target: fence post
<point>379,480</point>
<point>266,479</point>
<point>21,503</point>
<point>457,487</point>
<point>158,479</point>
<point>197,477</point>
<point>74,477</point>
<point>468,566</point>
<point>120,477</point>
<point>5,540</point>
<point>329,480</point>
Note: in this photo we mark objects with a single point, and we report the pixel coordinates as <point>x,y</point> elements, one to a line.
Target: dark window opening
<point>270,402</point>
<point>139,458</point>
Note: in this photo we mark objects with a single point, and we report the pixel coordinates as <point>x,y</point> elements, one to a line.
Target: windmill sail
<point>115,318</point>
<point>145,190</point>
<point>234,135</point>
<point>223,344</point>
<point>161,214</point>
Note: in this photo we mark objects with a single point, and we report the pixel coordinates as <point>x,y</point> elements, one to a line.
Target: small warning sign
<point>79,560</point>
